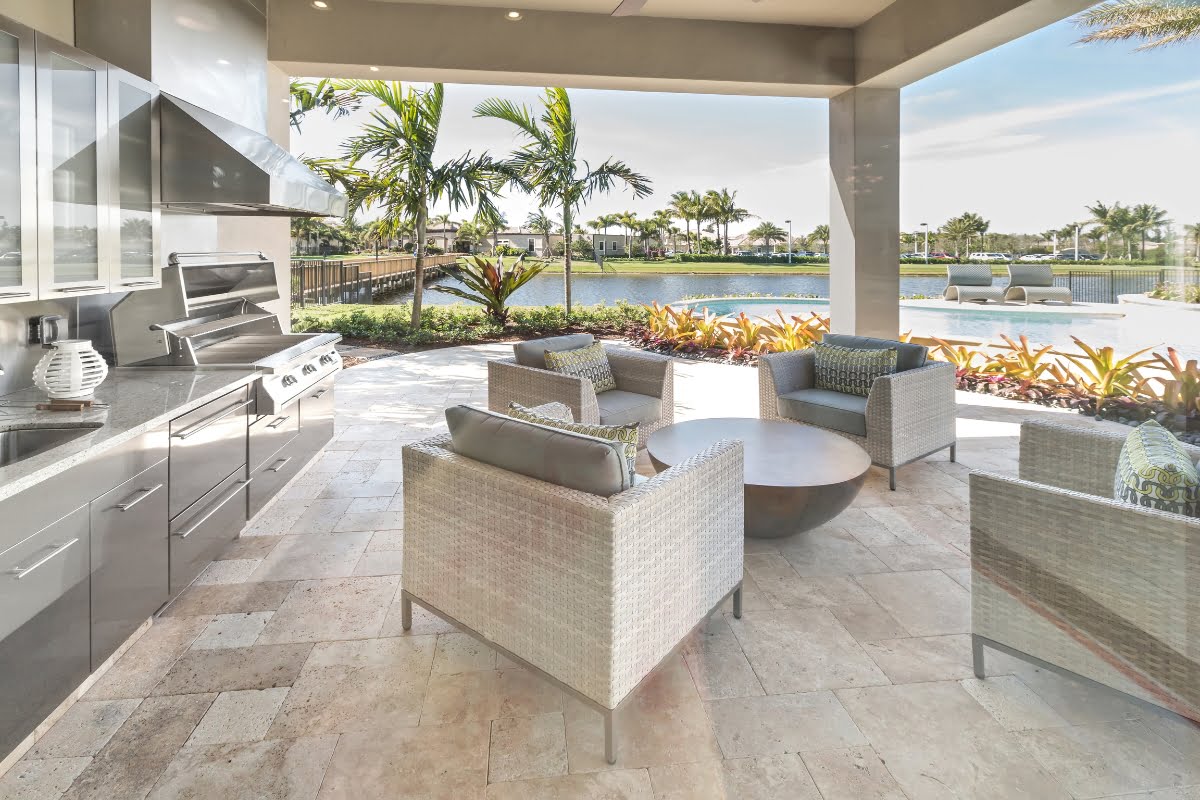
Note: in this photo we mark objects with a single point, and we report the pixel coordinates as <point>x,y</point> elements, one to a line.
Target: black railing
<point>1105,286</point>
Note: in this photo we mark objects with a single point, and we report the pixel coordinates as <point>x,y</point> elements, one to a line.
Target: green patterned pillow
<point>1154,471</point>
<point>624,435</point>
<point>851,370</point>
<point>587,362</point>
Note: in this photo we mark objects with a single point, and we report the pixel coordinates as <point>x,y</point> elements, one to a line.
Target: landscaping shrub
<point>1185,293</point>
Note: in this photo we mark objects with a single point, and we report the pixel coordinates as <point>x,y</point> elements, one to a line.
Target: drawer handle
<point>319,394</point>
<point>137,497</point>
<point>278,422</point>
<point>72,289</point>
<point>21,572</point>
<point>139,283</point>
<point>217,506</point>
<point>280,464</point>
<point>16,294</point>
<point>192,430</point>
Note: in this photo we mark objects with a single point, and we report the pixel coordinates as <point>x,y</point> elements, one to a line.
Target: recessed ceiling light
<point>321,4</point>
<point>513,16</point>
<point>374,69</point>
<point>224,62</point>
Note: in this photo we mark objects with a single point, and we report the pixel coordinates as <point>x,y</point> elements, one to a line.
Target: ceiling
<point>824,13</point>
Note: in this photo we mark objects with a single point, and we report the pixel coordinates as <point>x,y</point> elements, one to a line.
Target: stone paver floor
<point>284,673</point>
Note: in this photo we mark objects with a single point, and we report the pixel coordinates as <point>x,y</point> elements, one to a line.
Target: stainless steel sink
<point>21,443</point>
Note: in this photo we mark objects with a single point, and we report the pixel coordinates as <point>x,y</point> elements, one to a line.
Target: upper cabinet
<point>79,174</point>
<point>133,144</point>
<point>18,165</point>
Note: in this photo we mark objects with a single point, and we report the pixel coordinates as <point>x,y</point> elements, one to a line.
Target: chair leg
<point>610,738</point>
<point>954,452</point>
<point>977,656</point>
<point>737,602</point>
<point>892,478</point>
<point>405,612</point>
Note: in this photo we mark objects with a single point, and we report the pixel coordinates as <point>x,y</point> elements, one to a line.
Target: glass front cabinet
<point>79,175</point>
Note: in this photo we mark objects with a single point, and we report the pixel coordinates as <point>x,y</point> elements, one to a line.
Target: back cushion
<point>589,362</point>
<point>533,353</point>
<point>851,370</point>
<point>908,355</point>
<point>1154,471</point>
<point>565,459</point>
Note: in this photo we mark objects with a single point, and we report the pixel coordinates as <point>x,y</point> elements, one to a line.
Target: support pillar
<point>864,247</point>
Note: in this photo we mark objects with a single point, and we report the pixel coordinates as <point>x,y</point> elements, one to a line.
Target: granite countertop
<point>138,400</point>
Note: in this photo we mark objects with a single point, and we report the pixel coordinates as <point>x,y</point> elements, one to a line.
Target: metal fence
<point>1105,286</point>
<point>321,282</point>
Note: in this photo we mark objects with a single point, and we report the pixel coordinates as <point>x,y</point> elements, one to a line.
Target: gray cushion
<point>565,459</point>
<point>533,353</point>
<point>618,407</point>
<point>826,409</point>
<point>908,356</point>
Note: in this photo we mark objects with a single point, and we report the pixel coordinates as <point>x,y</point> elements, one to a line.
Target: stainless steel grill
<point>209,315</point>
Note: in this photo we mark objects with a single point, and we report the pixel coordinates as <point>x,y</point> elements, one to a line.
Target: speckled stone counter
<point>138,400</point>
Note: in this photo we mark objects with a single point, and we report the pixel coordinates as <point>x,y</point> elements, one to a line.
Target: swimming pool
<point>1050,325</point>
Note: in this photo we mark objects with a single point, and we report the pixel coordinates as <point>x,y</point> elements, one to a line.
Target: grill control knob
<point>288,380</point>
<point>327,359</point>
<point>309,369</point>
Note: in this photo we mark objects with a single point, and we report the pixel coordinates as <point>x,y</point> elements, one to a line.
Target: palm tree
<point>1153,22</point>
<point>767,232</point>
<point>399,141</point>
<point>323,95</point>
<point>491,222</point>
<point>701,211</point>
<point>820,234</point>
<point>549,166</point>
<point>376,233</point>
<point>1193,230</point>
<point>467,235</point>
<point>630,222</point>
<point>726,210</point>
<point>957,229</point>
<point>538,222</point>
<point>681,208</point>
<point>1148,218</point>
<point>443,221</point>
<point>1105,216</point>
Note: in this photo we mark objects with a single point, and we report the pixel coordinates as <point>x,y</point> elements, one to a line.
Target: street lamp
<point>789,224</point>
<point>925,226</point>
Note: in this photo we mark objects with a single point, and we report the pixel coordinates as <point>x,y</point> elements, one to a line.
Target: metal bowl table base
<point>797,477</point>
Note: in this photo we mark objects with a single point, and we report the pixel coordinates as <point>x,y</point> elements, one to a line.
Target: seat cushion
<point>851,370</point>
<point>618,407</point>
<point>563,458</point>
<point>625,435</point>
<point>826,409</point>
<point>1154,471</point>
<point>589,362</point>
<point>533,352</point>
<point>908,355</point>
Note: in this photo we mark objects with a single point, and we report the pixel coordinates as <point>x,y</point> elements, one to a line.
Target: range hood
<point>213,166</point>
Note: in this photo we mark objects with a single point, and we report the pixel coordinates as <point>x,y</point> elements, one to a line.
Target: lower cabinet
<point>201,532</point>
<point>316,415</point>
<point>129,558</point>
<point>44,624</point>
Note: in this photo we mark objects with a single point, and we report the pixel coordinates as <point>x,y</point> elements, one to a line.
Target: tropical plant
<point>323,95</point>
<point>442,221</point>
<point>1181,386</point>
<point>1148,219</point>
<point>1103,374</point>
<point>962,357</point>
<point>538,222</point>
<point>1193,230</point>
<point>681,208</point>
<point>629,221</point>
<point>1023,363</point>
<point>490,221</point>
<point>820,234</point>
<point>725,210</point>
<point>491,285</point>
<point>400,142</point>
<point>1153,22</point>
<point>548,164</point>
<point>767,233</point>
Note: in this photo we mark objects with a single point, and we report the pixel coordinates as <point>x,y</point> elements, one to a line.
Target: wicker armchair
<point>1066,577</point>
<point>645,390</point>
<point>971,283</point>
<point>592,592</point>
<point>907,416</point>
<point>1034,283</point>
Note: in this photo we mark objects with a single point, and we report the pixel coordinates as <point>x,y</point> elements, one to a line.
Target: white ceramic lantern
<point>71,371</point>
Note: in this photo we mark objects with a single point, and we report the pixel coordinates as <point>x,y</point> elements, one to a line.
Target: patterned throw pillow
<point>625,435</point>
<point>587,362</point>
<point>851,370</point>
<point>1154,471</point>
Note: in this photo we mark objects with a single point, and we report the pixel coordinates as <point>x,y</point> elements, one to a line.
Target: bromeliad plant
<point>1180,385</point>
<point>1105,376</point>
<point>491,284</point>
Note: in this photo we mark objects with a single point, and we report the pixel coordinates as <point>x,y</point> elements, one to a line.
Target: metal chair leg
<point>610,738</point>
<point>737,603</point>
<point>892,478</point>
<point>953,453</point>
<point>405,612</point>
<point>977,656</point>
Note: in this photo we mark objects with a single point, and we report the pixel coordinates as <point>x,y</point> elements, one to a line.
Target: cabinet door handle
<point>278,422</point>
<point>137,497</point>
<point>192,430</point>
<point>72,289</point>
<point>16,294</point>
<point>280,464</point>
<point>318,395</point>
<point>139,283</point>
<point>21,572</point>
<point>217,506</point>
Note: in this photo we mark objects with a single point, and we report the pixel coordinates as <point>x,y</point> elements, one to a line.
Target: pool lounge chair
<point>1034,283</point>
<point>971,283</point>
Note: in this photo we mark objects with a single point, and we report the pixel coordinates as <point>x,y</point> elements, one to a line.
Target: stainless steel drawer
<point>129,558</point>
<point>271,432</point>
<point>44,638</point>
<point>277,471</point>
<point>200,533</point>
<point>206,445</point>
<point>316,414</point>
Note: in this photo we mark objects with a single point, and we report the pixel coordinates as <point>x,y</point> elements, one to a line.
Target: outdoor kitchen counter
<point>138,400</point>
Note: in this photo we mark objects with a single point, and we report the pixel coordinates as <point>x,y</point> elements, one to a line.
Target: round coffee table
<point>797,477</point>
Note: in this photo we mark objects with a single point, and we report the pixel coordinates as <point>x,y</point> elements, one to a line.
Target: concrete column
<point>864,205</point>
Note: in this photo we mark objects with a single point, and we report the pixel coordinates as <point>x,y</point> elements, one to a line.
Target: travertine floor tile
<point>259,667</point>
<point>925,603</point>
<point>462,697</point>
<point>906,558</point>
<point>349,487</point>
<point>43,779</point>
<point>280,769</point>
<point>234,571</point>
<point>829,552</point>
<point>320,516</point>
<point>459,652</point>
<point>630,784</point>
<point>380,562</point>
<point>143,665</point>
<point>371,521</point>
<point>868,622</point>
<point>232,630</point>
<point>771,778</point>
<point>528,747</point>
<point>84,729</point>
<point>236,598</point>
<point>249,547</point>
<point>313,556</point>
<point>853,774</point>
<point>239,716</point>
<point>784,723</point>
<point>1013,704</point>
<point>924,658</point>
<point>338,608</point>
<point>385,541</point>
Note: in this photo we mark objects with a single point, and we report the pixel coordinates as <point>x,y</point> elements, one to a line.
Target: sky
<point>1025,135</point>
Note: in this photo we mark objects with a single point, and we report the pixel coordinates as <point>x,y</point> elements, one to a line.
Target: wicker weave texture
<point>910,414</point>
<point>971,282</point>
<point>594,591</point>
<point>1103,589</point>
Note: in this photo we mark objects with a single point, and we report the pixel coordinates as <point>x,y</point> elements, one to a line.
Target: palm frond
<point>1156,23</point>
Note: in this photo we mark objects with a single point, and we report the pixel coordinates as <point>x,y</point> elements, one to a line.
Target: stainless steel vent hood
<point>213,166</point>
